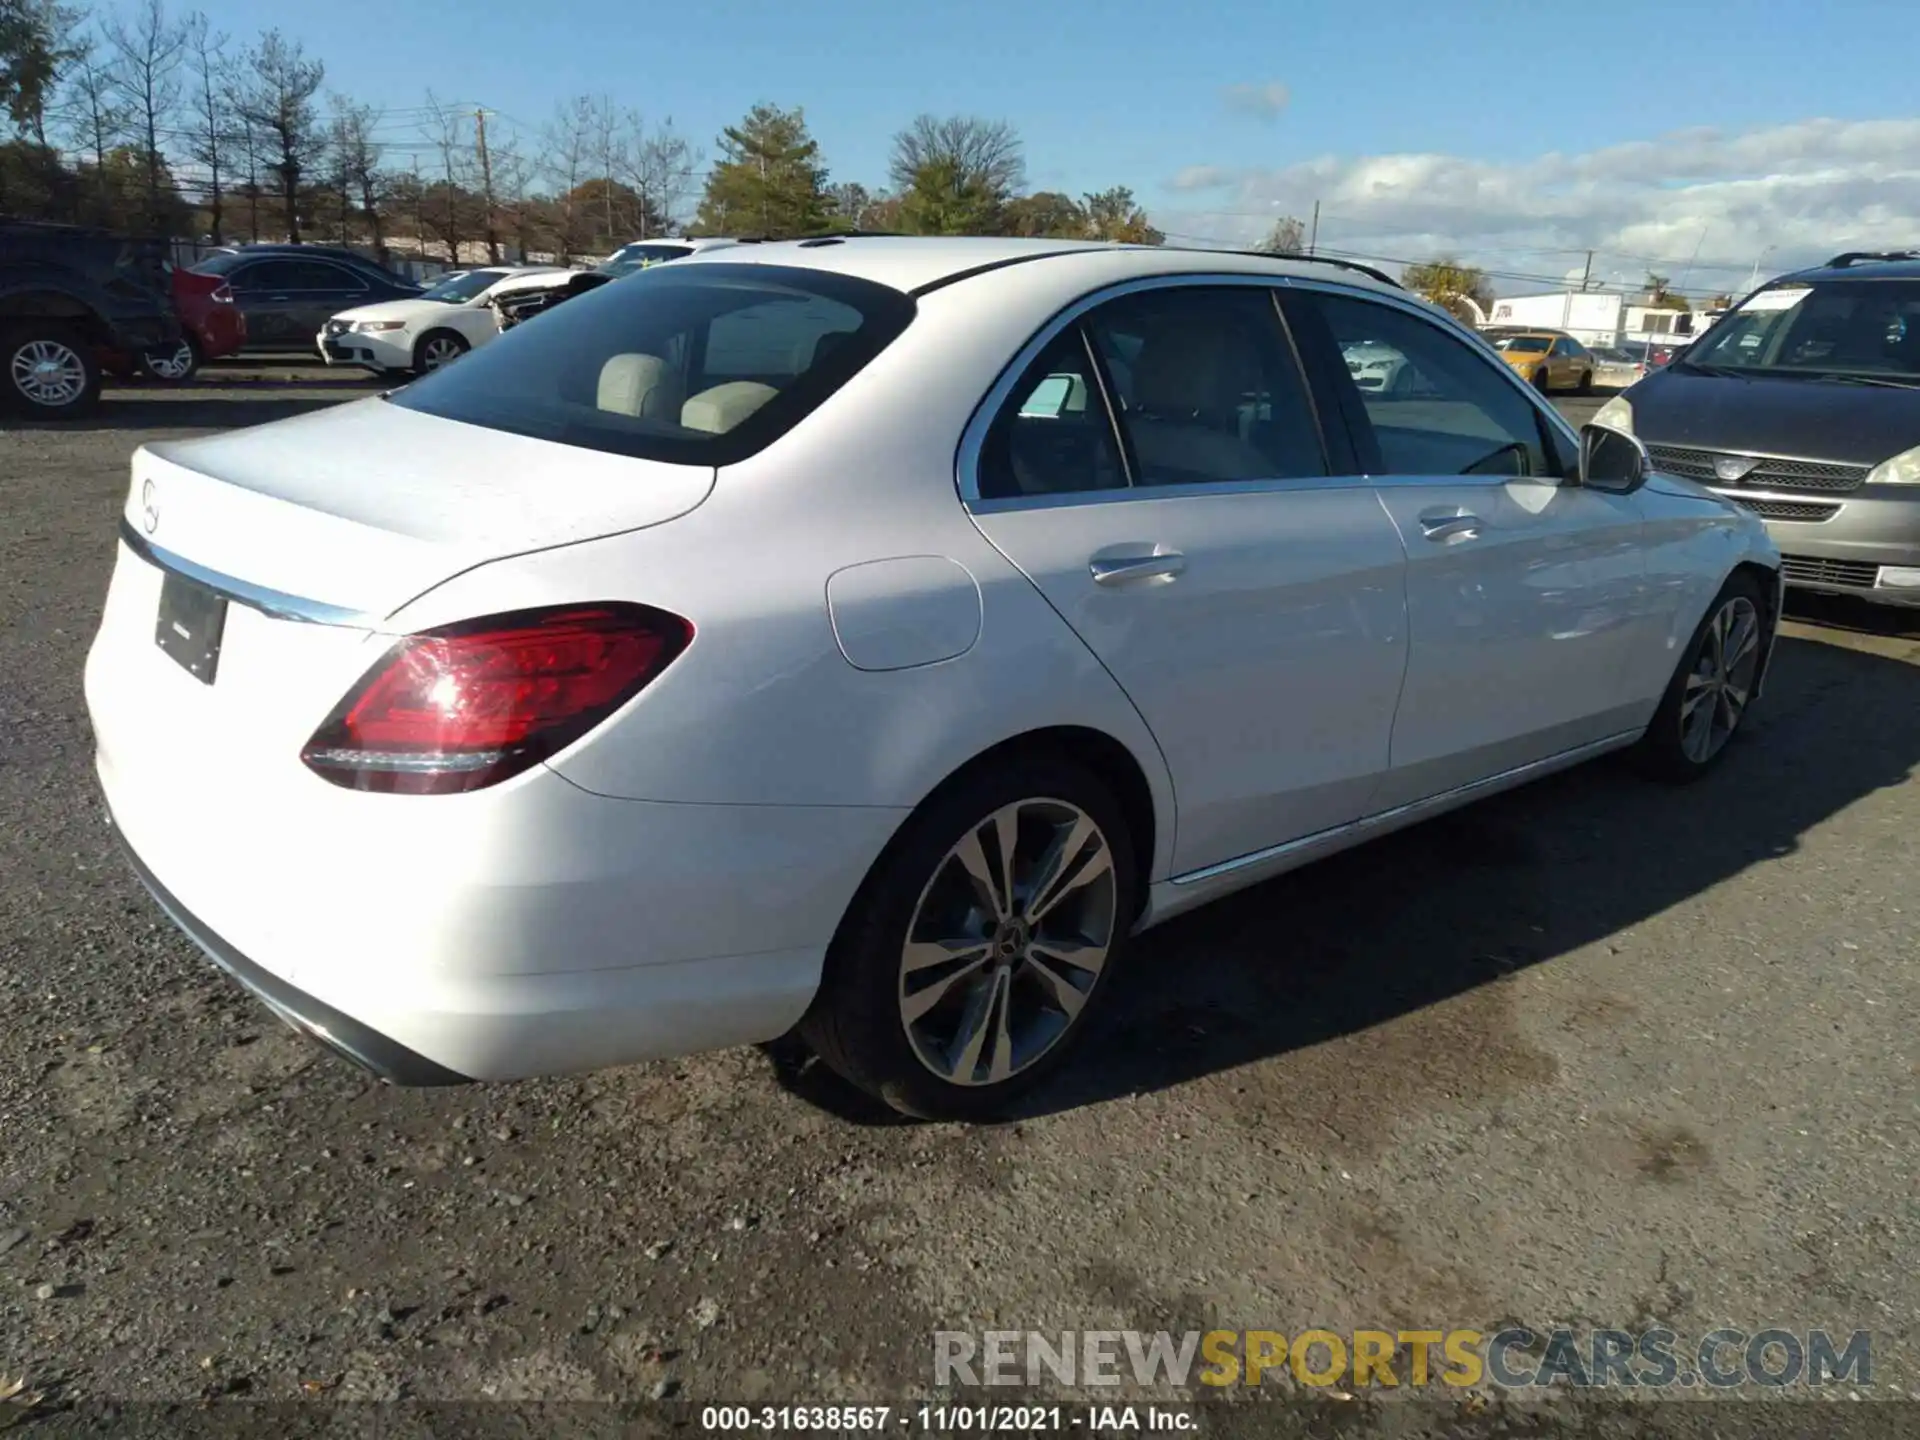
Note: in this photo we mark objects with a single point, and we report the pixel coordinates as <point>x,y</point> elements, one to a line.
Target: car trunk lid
<point>359,509</point>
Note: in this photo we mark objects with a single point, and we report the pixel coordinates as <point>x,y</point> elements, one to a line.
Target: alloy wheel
<point>439,351</point>
<point>173,364</point>
<point>49,373</point>
<point>1007,942</point>
<point>1721,681</point>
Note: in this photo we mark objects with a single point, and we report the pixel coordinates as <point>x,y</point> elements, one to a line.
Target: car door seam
<point>1166,765</point>
<point>1406,624</point>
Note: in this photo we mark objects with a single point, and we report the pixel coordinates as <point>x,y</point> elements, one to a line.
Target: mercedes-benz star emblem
<point>1732,469</point>
<point>150,506</point>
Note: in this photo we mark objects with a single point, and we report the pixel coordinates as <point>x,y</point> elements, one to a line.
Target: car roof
<point>1902,265</point>
<point>915,263</point>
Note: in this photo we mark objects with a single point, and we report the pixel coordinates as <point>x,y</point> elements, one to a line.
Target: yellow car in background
<point>1547,361</point>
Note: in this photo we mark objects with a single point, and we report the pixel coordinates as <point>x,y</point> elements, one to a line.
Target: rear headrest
<point>809,353</point>
<point>718,410</point>
<point>642,386</point>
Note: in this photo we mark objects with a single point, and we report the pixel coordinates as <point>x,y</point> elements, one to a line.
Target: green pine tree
<point>769,183</point>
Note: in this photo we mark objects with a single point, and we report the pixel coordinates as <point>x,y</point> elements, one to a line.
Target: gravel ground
<point>1594,1053</point>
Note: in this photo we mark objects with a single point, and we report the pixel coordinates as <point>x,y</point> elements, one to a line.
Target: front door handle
<point>1163,566</point>
<point>1450,527</point>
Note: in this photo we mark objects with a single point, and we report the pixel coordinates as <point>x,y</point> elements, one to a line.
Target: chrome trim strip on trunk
<point>1410,810</point>
<point>276,603</point>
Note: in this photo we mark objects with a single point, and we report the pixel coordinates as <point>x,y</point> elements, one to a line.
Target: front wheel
<point>48,372</point>
<point>1542,381</point>
<point>976,949</point>
<point>1709,696</point>
<point>437,348</point>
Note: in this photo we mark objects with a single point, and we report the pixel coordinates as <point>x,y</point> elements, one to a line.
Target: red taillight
<point>468,705</point>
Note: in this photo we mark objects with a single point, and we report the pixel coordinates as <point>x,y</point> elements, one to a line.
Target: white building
<point>1597,318</point>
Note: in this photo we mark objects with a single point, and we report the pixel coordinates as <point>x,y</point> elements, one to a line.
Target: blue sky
<point>1184,103</point>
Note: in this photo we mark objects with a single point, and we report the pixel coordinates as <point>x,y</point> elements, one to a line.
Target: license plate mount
<point>190,625</point>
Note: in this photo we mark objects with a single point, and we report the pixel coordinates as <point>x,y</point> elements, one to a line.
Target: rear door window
<point>690,364</point>
<point>1206,386</point>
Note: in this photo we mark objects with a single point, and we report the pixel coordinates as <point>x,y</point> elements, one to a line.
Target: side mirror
<point>1612,460</point>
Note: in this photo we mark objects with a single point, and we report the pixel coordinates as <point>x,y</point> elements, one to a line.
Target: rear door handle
<point>1450,527</point>
<point>1164,566</point>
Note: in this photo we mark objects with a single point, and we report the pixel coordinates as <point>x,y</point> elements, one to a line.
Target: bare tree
<point>148,51</point>
<point>983,155</point>
<point>659,167</point>
<point>567,143</point>
<point>276,102</point>
<point>607,142</point>
<point>445,129</point>
<point>94,118</point>
<point>209,128</point>
<point>355,157</point>
<point>513,188</point>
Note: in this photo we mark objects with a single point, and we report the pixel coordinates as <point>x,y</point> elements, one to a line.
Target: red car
<point>212,327</point>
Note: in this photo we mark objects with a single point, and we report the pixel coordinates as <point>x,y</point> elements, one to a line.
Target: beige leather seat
<point>1185,424</point>
<point>721,408</point>
<point>641,386</point>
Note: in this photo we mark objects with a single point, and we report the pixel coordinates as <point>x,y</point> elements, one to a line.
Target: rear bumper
<point>589,952</point>
<point>368,1048</point>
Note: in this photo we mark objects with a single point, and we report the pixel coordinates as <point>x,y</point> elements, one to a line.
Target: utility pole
<point>1587,274</point>
<point>1314,238</point>
<point>486,182</point>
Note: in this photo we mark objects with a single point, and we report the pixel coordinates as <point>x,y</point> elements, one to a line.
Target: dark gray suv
<point>1803,404</point>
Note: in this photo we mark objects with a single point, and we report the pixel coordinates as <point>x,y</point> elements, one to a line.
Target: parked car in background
<point>1615,369</point>
<point>1546,359</point>
<point>211,328</point>
<point>776,639</point>
<point>287,294</point>
<point>68,294</point>
<point>1379,367</point>
<point>644,253</point>
<point>521,304</point>
<point>343,254</point>
<point>1651,353</point>
<point>423,332</point>
<point>1803,405</point>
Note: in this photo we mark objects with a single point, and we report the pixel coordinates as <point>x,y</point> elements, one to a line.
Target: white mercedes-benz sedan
<point>866,637</point>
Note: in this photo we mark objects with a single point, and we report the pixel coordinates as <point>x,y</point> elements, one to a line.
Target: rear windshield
<point>690,364</point>
<point>1861,328</point>
<point>1525,344</point>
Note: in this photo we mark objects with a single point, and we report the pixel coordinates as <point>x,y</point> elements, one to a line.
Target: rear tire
<point>48,371</point>
<point>172,364</point>
<point>1542,381</point>
<point>1586,383</point>
<point>1711,693</point>
<point>1015,970</point>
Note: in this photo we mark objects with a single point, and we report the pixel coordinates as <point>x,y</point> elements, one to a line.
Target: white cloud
<point>1260,102</point>
<point>1783,196</point>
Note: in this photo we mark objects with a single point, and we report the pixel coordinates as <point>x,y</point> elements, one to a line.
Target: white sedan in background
<point>423,332</point>
<point>834,635</point>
